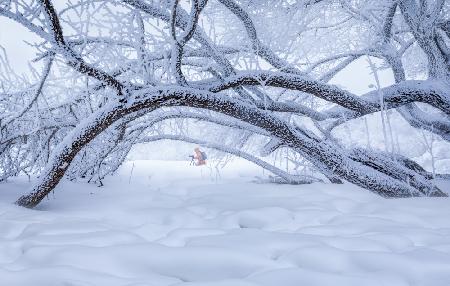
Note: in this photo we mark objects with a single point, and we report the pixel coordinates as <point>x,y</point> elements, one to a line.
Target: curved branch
<point>431,92</point>
<point>386,29</point>
<point>182,21</point>
<point>179,44</point>
<point>301,83</point>
<point>325,157</point>
<point>74,60</point>
<point>259,48</point>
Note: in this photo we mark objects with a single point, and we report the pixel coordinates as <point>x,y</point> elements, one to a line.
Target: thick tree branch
<point>72,58</point>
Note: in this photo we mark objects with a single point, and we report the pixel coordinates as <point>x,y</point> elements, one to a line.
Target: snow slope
<point>165,223</point>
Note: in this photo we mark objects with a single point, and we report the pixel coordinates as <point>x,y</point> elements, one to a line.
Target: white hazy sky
<point>12,38</point>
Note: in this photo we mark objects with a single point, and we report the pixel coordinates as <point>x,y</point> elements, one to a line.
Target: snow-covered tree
<point>252,76</point>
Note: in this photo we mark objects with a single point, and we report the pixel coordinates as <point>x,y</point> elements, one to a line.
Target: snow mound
<point>166,223</point>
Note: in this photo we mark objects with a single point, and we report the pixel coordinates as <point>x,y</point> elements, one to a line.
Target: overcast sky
<point>12,38</point>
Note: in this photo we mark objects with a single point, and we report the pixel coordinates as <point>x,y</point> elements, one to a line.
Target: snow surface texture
<point>166,223</point>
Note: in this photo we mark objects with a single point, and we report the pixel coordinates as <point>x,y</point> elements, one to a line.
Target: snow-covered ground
<point>166,223</point>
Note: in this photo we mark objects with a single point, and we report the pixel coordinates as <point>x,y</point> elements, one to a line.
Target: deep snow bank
<point>166,223</point>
